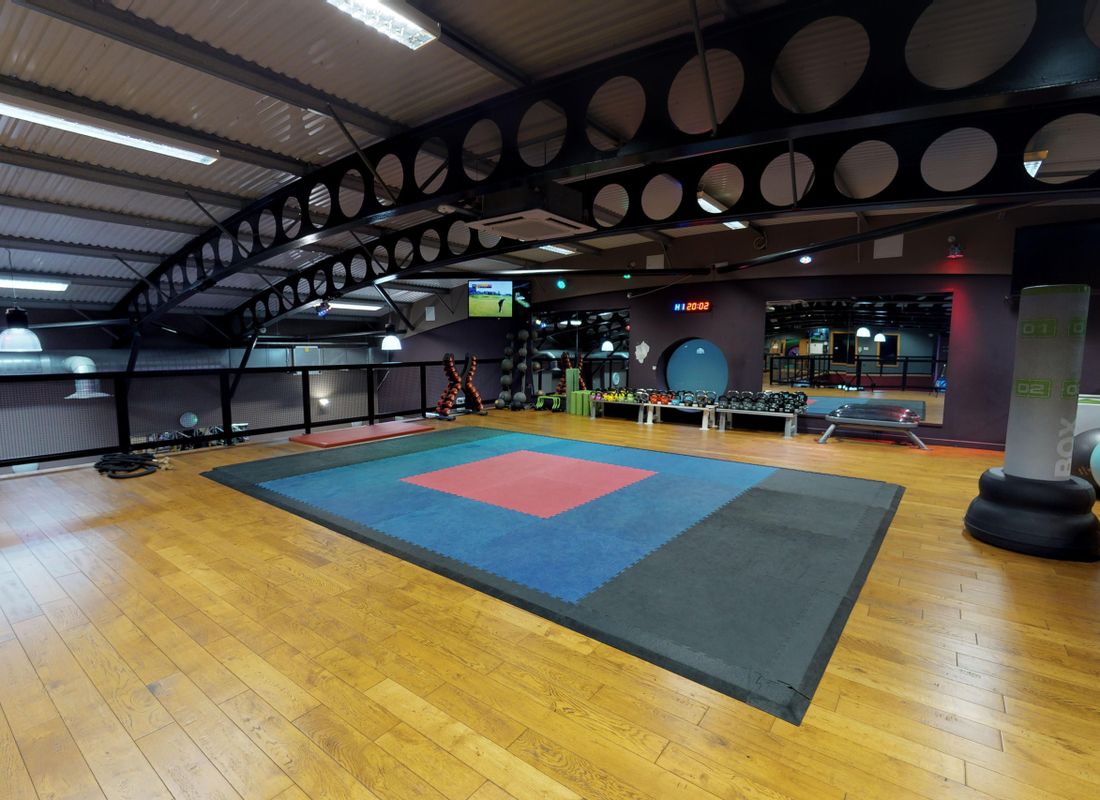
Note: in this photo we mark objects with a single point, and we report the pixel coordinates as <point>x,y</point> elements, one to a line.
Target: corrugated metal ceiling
<point>321,47</point>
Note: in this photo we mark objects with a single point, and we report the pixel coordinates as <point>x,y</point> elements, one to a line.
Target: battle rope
<point>129,465</point>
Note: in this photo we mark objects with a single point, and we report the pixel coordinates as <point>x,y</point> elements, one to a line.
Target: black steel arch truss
<point>448,240</point>
<point>885,93</point>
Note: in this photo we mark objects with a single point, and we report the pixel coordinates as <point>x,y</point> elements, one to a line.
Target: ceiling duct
<point>533,213</point>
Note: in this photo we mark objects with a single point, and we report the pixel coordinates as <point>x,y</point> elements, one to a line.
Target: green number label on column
<point>1033,388</point>
<point>1071,388</point>
<point>1076,327</point>
<point>1038,328</point>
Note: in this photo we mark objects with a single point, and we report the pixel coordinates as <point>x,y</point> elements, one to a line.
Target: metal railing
<point>53,417</point>
<point>903,373</point>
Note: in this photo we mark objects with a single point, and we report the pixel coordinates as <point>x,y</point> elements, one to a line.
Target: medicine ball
<point>506,365</point>
<point>524,335</point>
<point>1086,446</point>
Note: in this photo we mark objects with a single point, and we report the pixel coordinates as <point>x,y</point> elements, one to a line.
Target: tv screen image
<point>490,298</point>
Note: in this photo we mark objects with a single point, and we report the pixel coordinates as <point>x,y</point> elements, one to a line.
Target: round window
<point>697,364</point>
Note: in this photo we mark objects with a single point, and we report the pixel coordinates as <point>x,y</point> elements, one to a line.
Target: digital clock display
<point>691,306</point>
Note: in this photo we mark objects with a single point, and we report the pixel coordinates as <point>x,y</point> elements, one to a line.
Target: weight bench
<point>892,419</point>
<point>555,402</point>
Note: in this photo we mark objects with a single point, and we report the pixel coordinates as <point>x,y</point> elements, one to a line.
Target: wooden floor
<point>168,637</point>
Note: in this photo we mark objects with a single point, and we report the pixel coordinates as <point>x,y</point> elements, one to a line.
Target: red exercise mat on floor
<point>363,433</point>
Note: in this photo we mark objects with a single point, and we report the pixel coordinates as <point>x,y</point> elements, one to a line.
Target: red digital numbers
<point>691,306</point>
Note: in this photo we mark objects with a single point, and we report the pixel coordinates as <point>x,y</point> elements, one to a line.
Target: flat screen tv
<point>490,298</point>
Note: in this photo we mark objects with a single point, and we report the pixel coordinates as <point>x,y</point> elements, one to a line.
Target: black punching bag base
<point>1050,519</point>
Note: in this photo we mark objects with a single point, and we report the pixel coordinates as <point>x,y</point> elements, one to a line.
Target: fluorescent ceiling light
<point>72,123</point>
<point>1034,160</point>
<point>735,225</point>
<point>385,279</point>
<point>531,271</point>
<point>709,204</point>
<point>33,285</point>
<point>392,19</point>
<point>557,248</point>
<point>335,304</point>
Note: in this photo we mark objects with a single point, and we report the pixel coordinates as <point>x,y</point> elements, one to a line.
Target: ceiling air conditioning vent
<point>530,214</point>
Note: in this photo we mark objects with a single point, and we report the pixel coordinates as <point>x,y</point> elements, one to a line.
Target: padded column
<point>1034,505</point>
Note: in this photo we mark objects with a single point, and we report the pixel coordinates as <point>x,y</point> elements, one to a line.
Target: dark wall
<point>483,337</point>
<point>982,336</point>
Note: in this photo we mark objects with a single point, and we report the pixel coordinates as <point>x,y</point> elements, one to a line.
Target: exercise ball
<point>1094,463</point>
<point>505,380</point>
<point>524,335</point>
<point>506,365</point>
<point>1086,445</point>
<point>189,419</point>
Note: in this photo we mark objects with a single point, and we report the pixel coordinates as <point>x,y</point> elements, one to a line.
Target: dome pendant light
<point>607,346</point>
<point>880,337</point>
<point>17,337</point>
<point>390,341</point>
<point>863,333</point>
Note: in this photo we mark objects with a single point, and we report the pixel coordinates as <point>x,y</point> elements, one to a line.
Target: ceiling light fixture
<point>323,308</point>
<point>561,283</point>
<point>385,279</point>
<point>531,271</point>
<point>880,337</point>
<point>18,337</point>
<point>33,285</point>
<point>390,342</point>
<point>863,333</point>
<point>392,19</point>
<point>73,123</point>
<point>735,225</point>
<point>805,259</point>
<point>1034,160</point>
<point>341,306</point>
<point>607,347</point>
<point>557,248</point>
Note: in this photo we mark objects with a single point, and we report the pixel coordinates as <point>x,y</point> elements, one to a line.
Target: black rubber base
<point>1050,519</point>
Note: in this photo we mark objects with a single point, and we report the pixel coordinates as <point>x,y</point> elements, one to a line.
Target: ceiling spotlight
<point>18,337</point>
<point>880,337</point>
<point>607,347</point>
<point>863,333</point>
<point>323,308</point>
<point>954,249</point>
<point>805,259</point>
<point>626,276</point>
<point>392,19</point>
<point>560,283</point>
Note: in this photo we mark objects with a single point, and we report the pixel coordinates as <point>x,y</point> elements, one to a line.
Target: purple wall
<point>982,337</point>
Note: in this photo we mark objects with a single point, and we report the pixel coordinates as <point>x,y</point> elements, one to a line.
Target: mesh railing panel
<point>397,388</point>
<point>36,419</point>
<point>269,400</point>
<point>346,391</point>
<point>157,406</point>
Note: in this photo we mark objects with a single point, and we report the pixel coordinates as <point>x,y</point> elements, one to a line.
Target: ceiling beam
<point>73,249</point>
<point>100,215</point>
<point>134,31</point>
<point>111,115</point>
<point>118,178</point>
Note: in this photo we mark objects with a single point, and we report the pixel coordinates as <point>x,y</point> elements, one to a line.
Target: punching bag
<point>1034,504</point>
